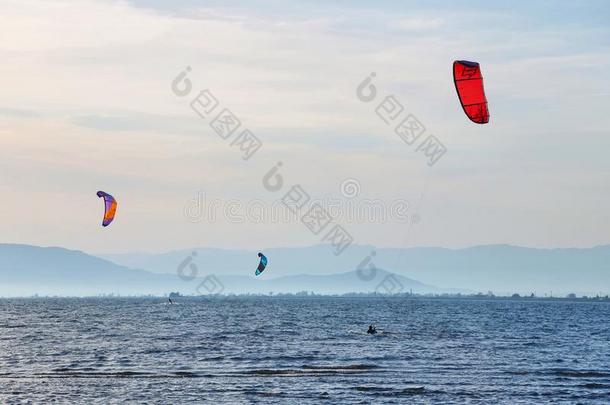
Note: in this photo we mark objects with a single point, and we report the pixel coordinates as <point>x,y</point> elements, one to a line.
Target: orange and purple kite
<point>469,85</point>
<point>109,207</point>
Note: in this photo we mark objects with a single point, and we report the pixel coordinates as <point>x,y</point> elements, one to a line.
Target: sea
<point>304,350</point>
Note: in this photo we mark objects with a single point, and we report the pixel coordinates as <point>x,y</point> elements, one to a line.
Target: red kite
<point>469,86</point>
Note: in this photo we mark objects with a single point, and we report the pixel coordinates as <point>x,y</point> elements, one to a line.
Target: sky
<point>87,104</point>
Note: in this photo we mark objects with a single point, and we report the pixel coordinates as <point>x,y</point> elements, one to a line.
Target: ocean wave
<point>313,370</point>
<point>70,373</point>
<point>391,391</point>
<point>566,372</point>
<point>342,367</point>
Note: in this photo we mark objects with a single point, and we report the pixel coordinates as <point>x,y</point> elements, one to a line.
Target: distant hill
<point>500,268</point>
<point>28,270</point>
<point>381,281</point>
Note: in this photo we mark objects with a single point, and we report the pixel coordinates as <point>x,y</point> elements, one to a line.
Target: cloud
<point>18,113</point>
<point>417,24</point>
<point>88,68</point>
<point>142,122</point>
<point>52,26</point>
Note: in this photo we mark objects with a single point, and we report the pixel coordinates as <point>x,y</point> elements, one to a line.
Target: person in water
<point>170,301</point>
<point>372,329</point>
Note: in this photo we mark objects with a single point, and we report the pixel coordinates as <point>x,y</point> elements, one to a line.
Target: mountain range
<point>32,270</point>
<point>503,269</point>
<point>26,270</point>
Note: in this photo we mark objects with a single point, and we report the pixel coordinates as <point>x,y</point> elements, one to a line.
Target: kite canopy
<point>110,205</point>
<point>469,85</point>
<point>261,265</point>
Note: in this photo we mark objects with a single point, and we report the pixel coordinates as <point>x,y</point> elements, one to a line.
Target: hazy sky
<point>86,104</point>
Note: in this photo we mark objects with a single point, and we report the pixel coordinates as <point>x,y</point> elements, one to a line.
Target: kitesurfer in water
<point>170,301</point>
<point>372,330</point>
